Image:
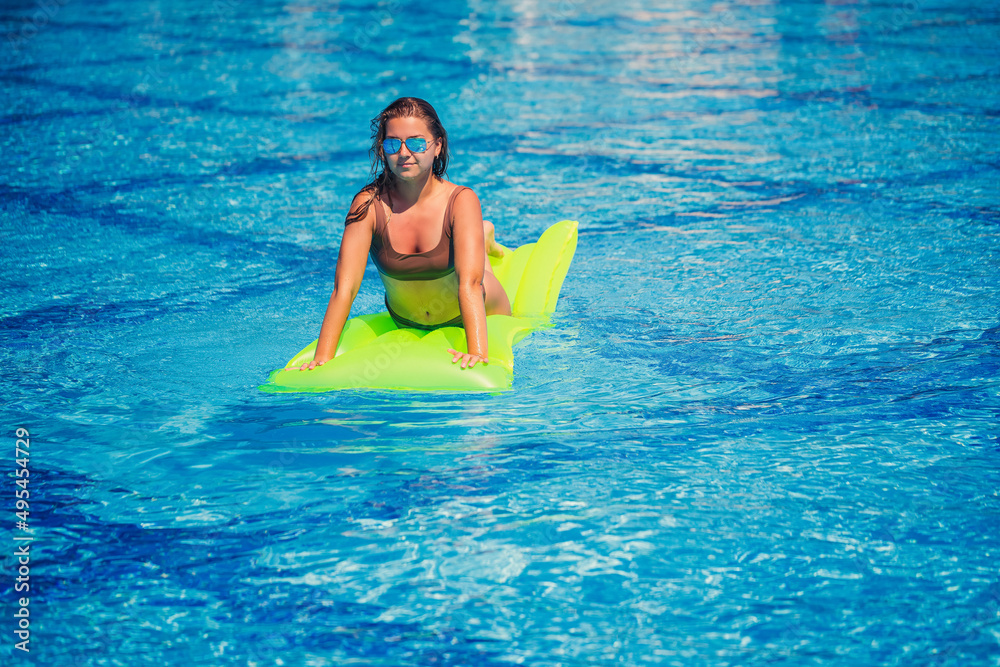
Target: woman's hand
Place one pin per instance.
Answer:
(311, 365)
(468, 360)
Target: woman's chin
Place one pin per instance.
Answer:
(407, 173)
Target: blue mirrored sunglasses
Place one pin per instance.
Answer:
(413, 144)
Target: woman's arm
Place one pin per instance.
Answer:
(351, 263)
(467, 235)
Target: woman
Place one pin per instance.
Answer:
(425, 235)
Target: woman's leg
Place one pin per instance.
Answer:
(497, 302)
(492, 247)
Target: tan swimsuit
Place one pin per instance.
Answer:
(428, 265)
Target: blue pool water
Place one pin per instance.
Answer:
(763, 430)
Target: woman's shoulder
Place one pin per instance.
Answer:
(364, 194)
(460, 192)
(463, 204)
(363, 205)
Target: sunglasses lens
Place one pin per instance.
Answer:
(391, 146)
(417, 144)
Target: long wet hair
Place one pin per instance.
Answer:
(382, 177)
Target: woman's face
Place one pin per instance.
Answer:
(405, 164)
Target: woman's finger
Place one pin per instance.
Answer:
(468, 360)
